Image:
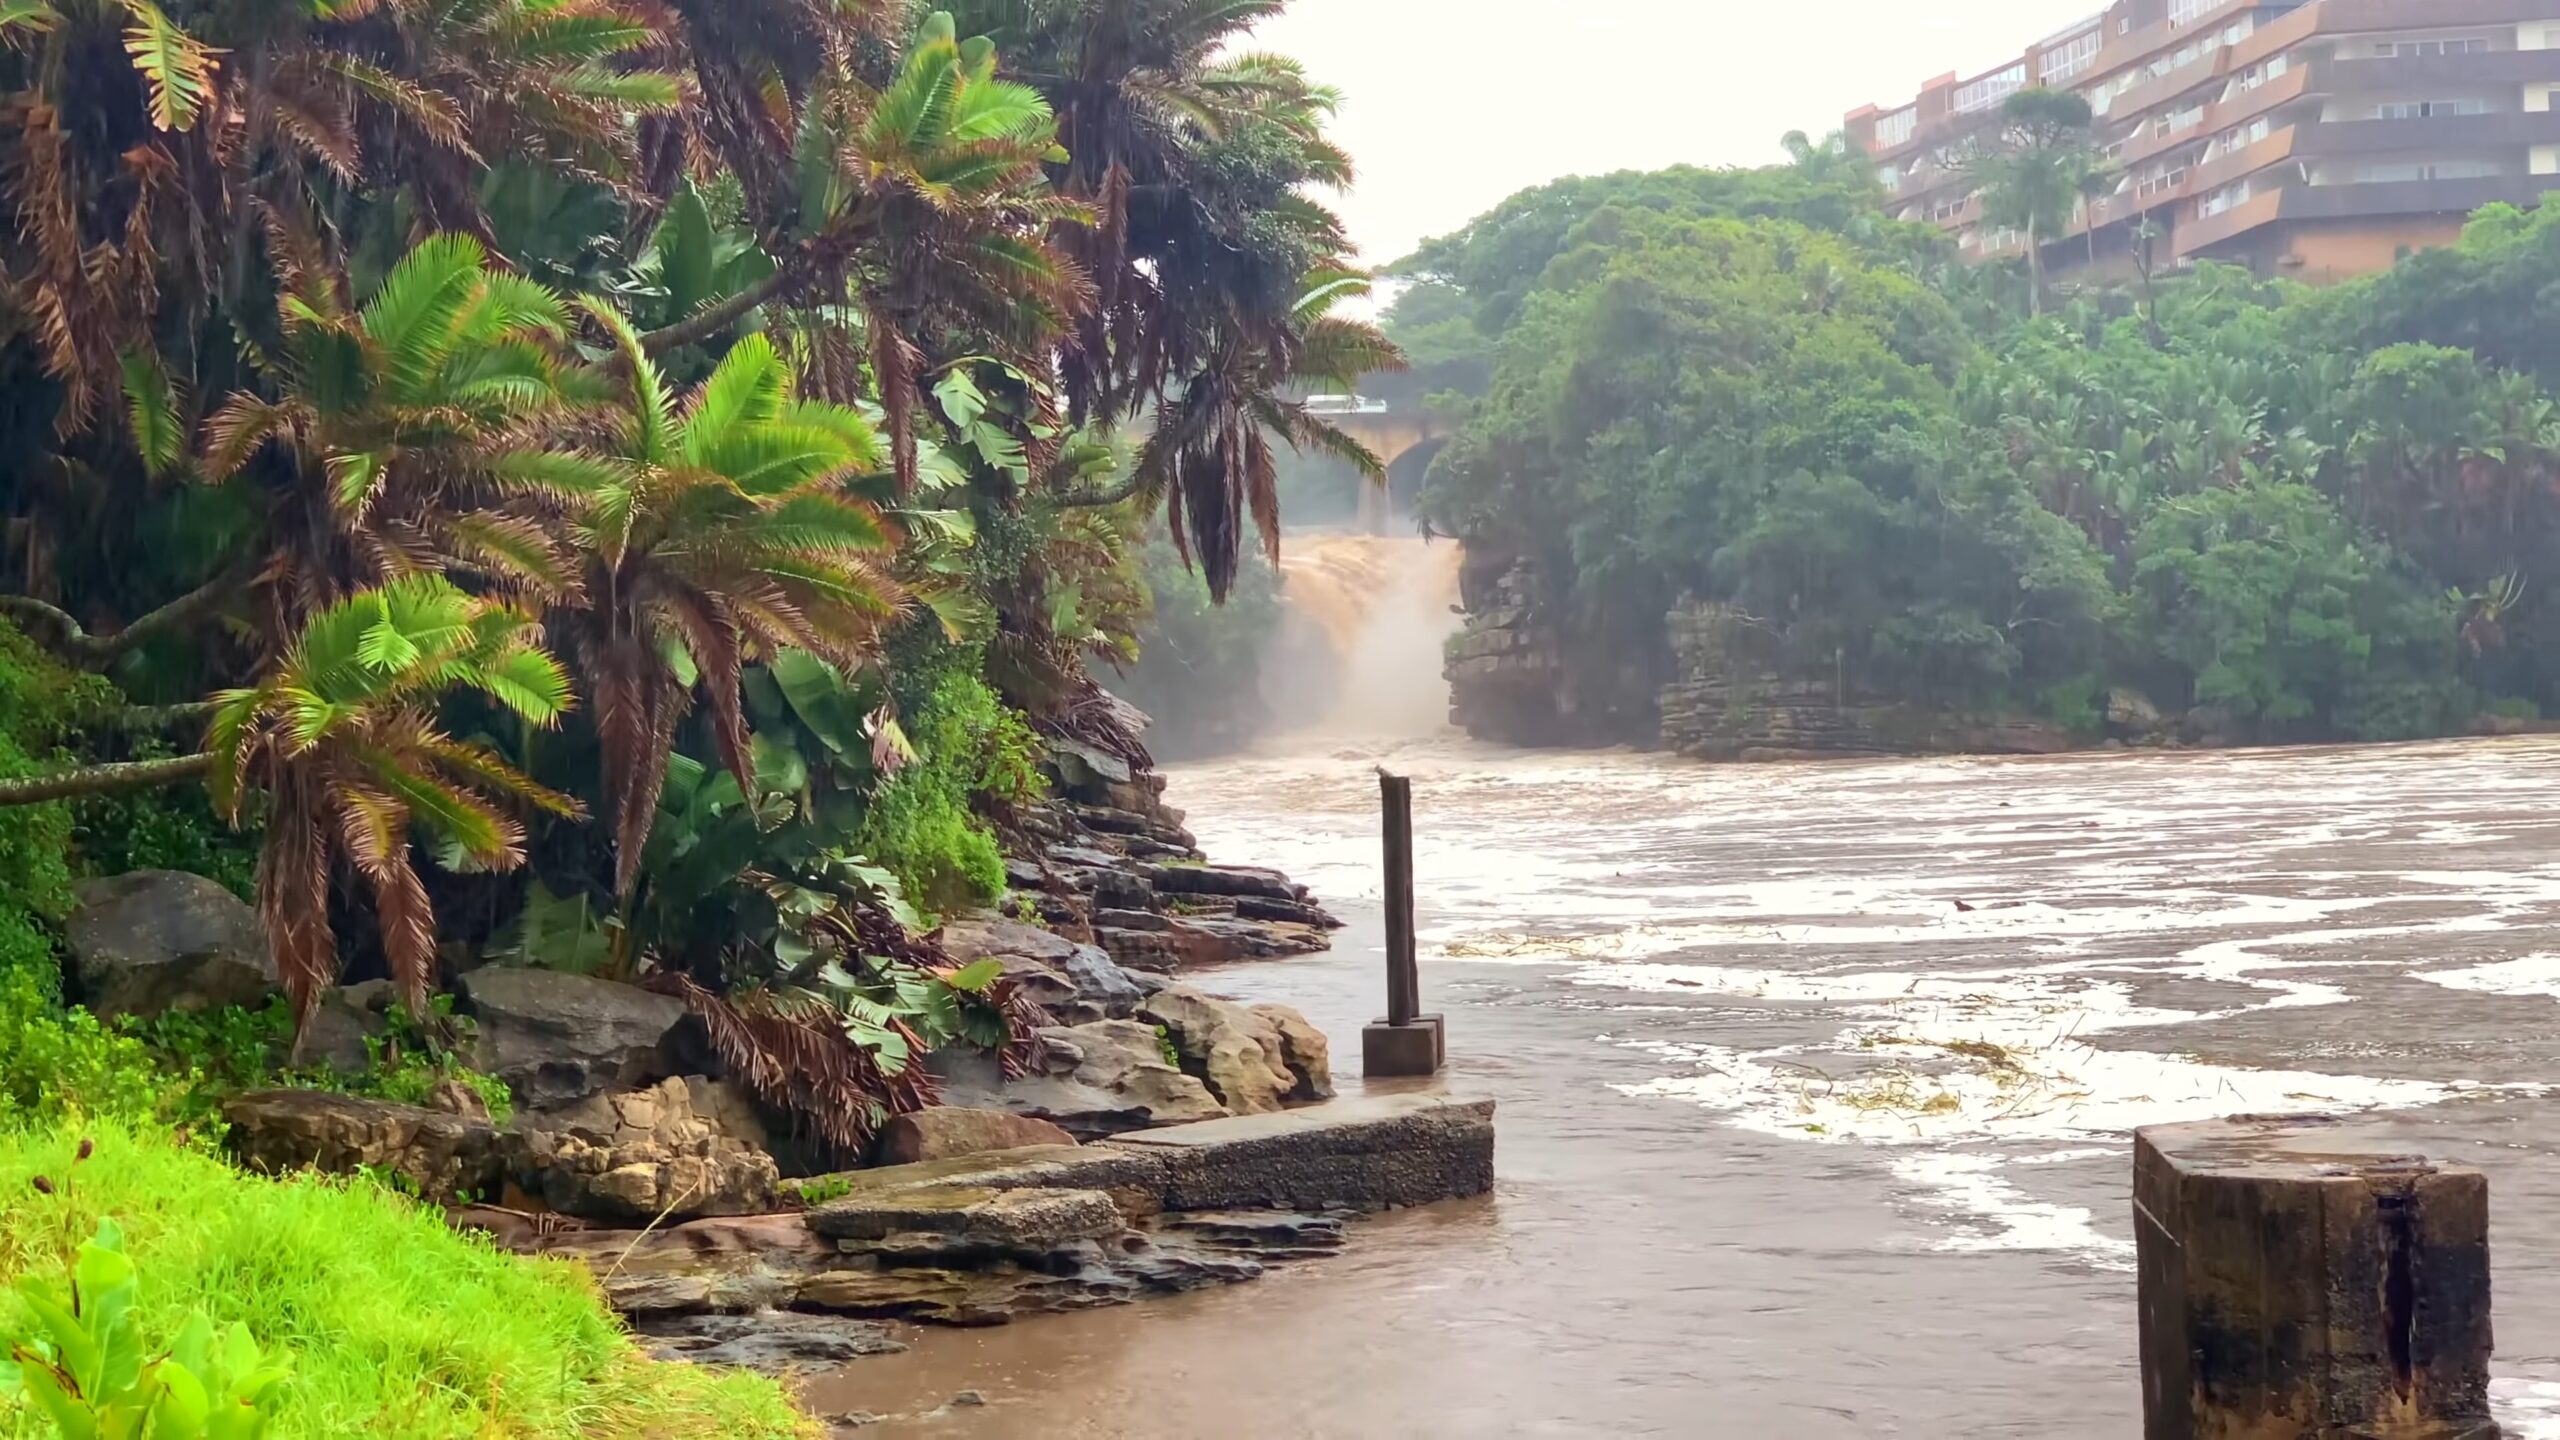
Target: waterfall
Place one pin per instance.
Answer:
(1379, 608)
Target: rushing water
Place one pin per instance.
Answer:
(1815, 1083)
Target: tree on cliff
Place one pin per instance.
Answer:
(2037, 171)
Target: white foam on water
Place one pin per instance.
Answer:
(2006, 1217)
(2526, 1409)
(2532, 975)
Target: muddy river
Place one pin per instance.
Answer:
(1815, 1084)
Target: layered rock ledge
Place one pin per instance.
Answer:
(985, 1239)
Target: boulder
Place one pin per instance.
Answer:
(1304, 1049)
(1369, 1154)
(343, 1024)
(1221, 880)
(639, 1155)
(946, 1132)
(1077, 982)
(2131, 712)
(1237, 1052)
(159, 940)
(555, 1037)
(451, 1158)
(1097, 1079)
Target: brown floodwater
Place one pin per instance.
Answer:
(1815, 1084)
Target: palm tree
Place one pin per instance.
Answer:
(1210, 457)
(387, 425)
(2034, 176)
(343, 742)
(1199, 160)
(710, 532)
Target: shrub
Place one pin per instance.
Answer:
(926, 824)
(393, 1323)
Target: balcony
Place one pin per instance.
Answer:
(2441, 133)
(2392, 75)
(2356, 202)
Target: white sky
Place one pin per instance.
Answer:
(1455, 104)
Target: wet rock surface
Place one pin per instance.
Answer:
(1112, 865)
(159, 940)
(775, 1342)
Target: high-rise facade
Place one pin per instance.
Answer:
(2312, 138)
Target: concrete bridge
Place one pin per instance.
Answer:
(1404, 440)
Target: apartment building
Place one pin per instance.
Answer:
(2312, 138)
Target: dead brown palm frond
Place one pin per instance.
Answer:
(794, 1055)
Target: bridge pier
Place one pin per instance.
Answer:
(2296, 1284)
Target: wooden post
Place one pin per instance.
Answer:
(1404, 966)
(1407, 1042)
(2291, 1286)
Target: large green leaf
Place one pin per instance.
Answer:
(179, 69)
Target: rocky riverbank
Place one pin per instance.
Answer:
(1156, 1137)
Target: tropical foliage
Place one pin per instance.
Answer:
(2294, 514)
(616, 485)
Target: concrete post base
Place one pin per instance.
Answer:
(1389, 1050)
(2294, 1287)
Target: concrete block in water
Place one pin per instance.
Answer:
(1366, 1154)
(2294, 1289)
(1417, 1050)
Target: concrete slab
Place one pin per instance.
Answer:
(1363, 1154)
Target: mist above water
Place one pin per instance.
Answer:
(1384, 607)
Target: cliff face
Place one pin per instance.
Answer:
(1516, 678)
(1731, 703)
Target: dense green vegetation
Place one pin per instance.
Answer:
(387, 1321)
(2300, 514)
(626, 487)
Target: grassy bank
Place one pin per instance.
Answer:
(393, 1324)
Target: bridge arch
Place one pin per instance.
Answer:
(1394, 436)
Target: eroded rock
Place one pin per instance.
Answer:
(639, 1155)
(967, 1218)
(1236, 1051)
(158, 940)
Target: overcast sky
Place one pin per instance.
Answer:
(1455, 104)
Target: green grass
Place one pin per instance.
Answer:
(393, 1325)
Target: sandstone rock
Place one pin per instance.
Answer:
(1119, 1068)
(1304, 1050)
(947, 1132)
(1236, 1051)
(727, 1109)
(967, 1218)
(2131, 711)
(451, 1158)
(750, 1263)
(640, 1155)
(159, 940)
(1135, 1182)
(556, 1037)
(451, 1097)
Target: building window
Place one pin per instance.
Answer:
(2428, 109)
(1990, 90)
(2184, 12)
(2405, 49)
(2223, 199)
(2434, 170)
(1897, 127)
(2067, 60)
